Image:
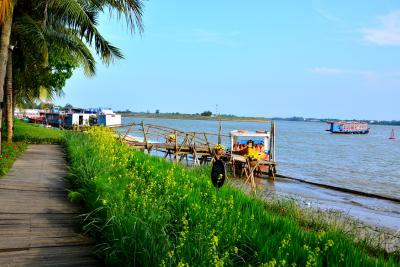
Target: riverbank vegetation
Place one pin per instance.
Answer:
(182, 116)
(143, 210)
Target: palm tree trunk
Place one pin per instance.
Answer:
(9, 96)
(14, 101)
(4, 43)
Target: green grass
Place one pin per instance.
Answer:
(10, 152)
(26, 133)
(36, 134)
(146, 211)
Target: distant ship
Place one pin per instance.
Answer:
(392, 135)
(348, 127)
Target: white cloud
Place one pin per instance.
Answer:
(327, 70)
(387, 33)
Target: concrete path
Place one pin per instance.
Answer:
(38, 225)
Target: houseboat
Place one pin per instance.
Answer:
(52, 117)
(107, 117)
(348, 127)
(29, 115)
(72, 117)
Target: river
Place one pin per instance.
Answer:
(368, 163)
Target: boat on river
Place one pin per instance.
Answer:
(392, 135)
(348, 127)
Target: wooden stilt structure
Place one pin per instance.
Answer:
(195, 147)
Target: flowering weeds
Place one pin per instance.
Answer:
(9, 154)
(219, 147)
(146, 211)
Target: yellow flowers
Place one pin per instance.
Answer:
(328, 245)
(252, 157)
(219, 147)
(285, 242)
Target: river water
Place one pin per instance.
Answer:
(368, 163)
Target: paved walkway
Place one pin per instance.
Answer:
(38, 225)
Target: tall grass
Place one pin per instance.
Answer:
(146, 211)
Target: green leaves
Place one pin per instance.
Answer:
(75, 197)
(53, 37)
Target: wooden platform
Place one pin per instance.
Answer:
(38, 225)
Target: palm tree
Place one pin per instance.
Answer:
(6, 14)
(9, 96)
(67, 26)
(5, 9)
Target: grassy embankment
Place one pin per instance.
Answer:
(36, 134)
(146, 211)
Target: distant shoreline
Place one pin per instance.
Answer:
(188, 117)
(245, 119)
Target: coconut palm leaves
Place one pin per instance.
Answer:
(52, 37)
(34, 42)
(81, 19)
(68, 27)
(131, 10)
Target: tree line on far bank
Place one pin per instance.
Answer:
(43, 41)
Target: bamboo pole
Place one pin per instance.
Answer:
(219, 132)
(273, 123)
(129, 129)
(144, 136)
(176, 146)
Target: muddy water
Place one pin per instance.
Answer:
(368, 163)
(371, 211)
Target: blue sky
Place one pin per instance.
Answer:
(320, 59)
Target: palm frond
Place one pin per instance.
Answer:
(83, 22)
(131, 10)
(68, 42)
(30, 32)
